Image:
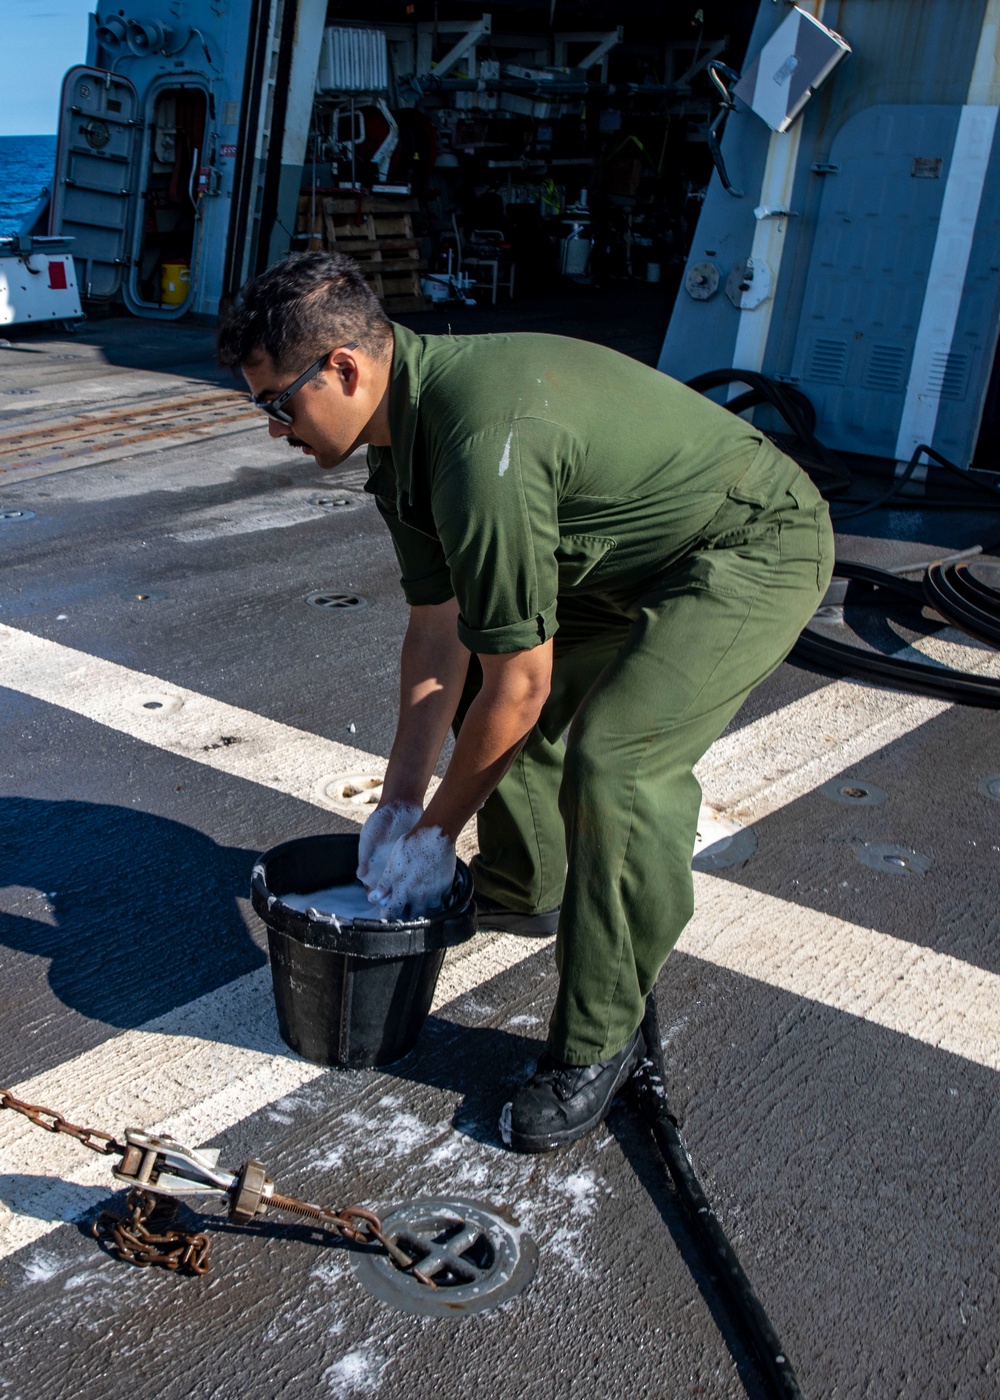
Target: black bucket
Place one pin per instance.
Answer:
(359, 993)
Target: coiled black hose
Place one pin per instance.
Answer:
(830, 473)
(873, 587)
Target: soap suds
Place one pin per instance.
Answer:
(348, 901)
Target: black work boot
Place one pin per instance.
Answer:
(491, 914)
(561, 1103)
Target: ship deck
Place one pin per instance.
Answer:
(171, 706)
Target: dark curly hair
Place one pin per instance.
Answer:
(301, 307)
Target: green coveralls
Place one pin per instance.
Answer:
(558, 489)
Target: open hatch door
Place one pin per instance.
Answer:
(95, 190)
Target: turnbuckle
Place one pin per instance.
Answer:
(159, 1163)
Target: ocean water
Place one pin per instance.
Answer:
(26, 167)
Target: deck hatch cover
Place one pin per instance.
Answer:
(94, 194)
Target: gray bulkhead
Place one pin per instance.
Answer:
(134, 196)
(877, 219)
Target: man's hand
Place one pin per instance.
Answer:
(379, 835)
(418, 875)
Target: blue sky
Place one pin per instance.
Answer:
(41, 39)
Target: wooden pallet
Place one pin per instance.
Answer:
(378, 235)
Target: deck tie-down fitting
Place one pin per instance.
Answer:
(158, 1166)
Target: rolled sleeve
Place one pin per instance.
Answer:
(516, 636)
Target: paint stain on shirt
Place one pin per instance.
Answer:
(505, 459)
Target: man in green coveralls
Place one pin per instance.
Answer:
(587, 546)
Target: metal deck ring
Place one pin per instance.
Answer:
(477, 1259)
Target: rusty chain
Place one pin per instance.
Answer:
(54, 1122)
(142, 1238)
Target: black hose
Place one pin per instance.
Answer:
(648, 1085)
(900, 481)
(937, 682)
(796, 410)
(963, 599)
(865, 585)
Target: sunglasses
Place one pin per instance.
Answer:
(275, 408)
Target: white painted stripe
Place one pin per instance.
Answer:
(186, 723)
(946, 277)
(763, 765)
(208, 1065)
(777, 759)
(769, 240)
(926, 996)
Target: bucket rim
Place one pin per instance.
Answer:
(452, 924)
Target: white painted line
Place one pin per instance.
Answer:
(928, 997)
(205, 1066)
(945, 285)
(762, 767)
(758, 768)
(777, 759)
(183, 721)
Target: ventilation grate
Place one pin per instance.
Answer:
(948, 375)
(828, 360)
(353, 60)
(886, 368)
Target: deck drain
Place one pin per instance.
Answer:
(477, 1259)
(854, 794)
(893, 860)
(336, 600)
(721, 843)
(352, 789)
(332, 502)
(990, 787)
(14, 517)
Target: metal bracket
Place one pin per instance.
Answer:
(749, 284)
(603, 40)
(471, 32)
(160, 1164)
